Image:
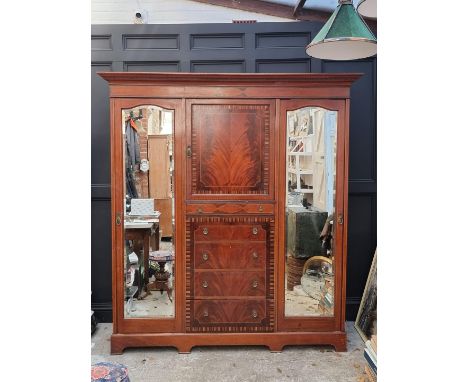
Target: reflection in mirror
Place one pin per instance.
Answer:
(310, 203)
(149, 212)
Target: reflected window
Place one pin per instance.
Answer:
(310, 203)
(149, 255)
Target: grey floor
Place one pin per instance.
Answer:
(308, 363)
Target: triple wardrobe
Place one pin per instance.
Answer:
(229, 209)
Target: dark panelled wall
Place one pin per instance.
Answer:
(231, 48)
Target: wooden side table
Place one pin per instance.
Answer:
(143, 232)
(161, 282)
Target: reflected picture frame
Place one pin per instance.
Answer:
(367, 313)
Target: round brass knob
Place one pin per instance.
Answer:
(205, 231)
(254, 313)
(255, 255)
(205, 256)
(260, 208)
(205, 313)
(204, 284)
(254, 230)
(255, 284)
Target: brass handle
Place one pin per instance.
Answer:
(118, 219)
(205, 313)
(260, 208)
(204, 284)
(254, 313)
(199, 210)
(255, 255)
(255, 284)
(340, 219)
(205, 231)
(205, 256)
(254, 230)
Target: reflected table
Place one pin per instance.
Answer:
(162, 277)
(143, 232)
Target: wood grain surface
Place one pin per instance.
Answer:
(228, 284)
(248, 255)
(229, 231)
(225, 311)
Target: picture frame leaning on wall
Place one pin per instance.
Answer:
(366, 319)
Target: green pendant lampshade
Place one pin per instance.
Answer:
(345, 36)
(367, 8)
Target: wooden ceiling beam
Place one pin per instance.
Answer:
(298, 7)
(280, 10)
(267, 8)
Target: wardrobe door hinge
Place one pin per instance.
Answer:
(189, 151)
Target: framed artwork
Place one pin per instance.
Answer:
(366, 320)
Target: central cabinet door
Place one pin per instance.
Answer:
(231, 148)
(230, 225)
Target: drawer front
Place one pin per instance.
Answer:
(229, 311)
(225, 284)
(231, 208)
(250, 255)
(224, 276)
(228, 232)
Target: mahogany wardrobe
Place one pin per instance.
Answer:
(229, 209)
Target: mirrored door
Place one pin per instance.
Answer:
(149, 252)
(311, 253)
(146, 212)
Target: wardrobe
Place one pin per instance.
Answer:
(258, 185)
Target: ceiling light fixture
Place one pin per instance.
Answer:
(345, 36)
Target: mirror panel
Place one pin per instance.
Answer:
(310, 204)
(149, 253)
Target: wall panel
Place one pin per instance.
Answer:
(217, 41)
(217, 66)
(282, 40)
(102, 42)
(151, 66)
(152, 42)
(362, 118)
(100, 131)
(283, 66)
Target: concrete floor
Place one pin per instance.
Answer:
(207, 364)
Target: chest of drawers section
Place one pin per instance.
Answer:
(229, 274)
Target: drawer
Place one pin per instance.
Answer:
(229, 311)
(229, 284)
(231, 208)
(249, 255)
(228, 232)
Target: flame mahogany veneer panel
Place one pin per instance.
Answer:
(230, 149)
